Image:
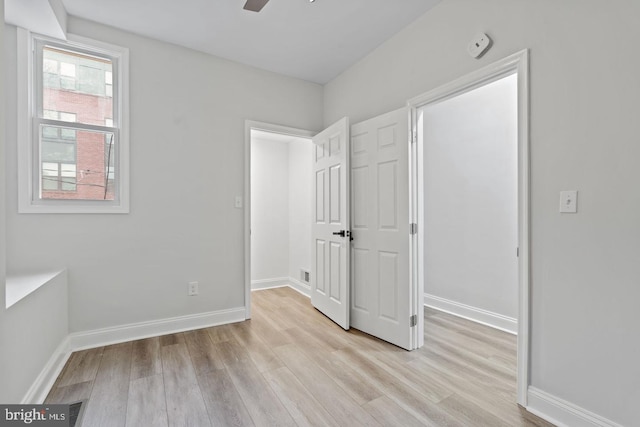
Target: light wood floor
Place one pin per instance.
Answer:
(290, 365)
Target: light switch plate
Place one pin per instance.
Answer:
(569, 201)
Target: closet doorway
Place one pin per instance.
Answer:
(279, 208)
(470, 194)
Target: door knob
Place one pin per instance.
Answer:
(343, 233)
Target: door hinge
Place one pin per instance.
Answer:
(413, 228)
(518, 252)
(413, 320)
(414, 137)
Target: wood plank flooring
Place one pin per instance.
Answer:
(291, 366)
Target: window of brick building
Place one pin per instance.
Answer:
(75, 141)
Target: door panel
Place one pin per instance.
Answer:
(380, 217)
(319, 197)
(330, 291)
(388, 196)
(320, 266)
(359, 187)
(359, 263)
(334, 267)
(388, 285)
(335, 196)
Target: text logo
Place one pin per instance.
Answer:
(34, 415)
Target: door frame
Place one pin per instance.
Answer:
(515, 63)
(250, 125)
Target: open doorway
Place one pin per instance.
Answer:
(470, 182)
(278, 208)
(280, 211)
(470, 193)
(384, 299)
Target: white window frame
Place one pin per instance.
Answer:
(29, 200)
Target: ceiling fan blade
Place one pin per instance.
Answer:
(255, 5)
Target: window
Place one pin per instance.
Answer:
(74, 143)
(108, 83)
(58, 177)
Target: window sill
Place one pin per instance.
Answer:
(67, 210)
(74, 207)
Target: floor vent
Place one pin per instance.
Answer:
(304, 276)
(76, 410)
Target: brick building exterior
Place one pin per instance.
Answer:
(76, 164)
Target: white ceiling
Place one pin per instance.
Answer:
(312, 41)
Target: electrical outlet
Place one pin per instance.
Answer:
(193, 289)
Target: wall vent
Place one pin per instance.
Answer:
(304, 276)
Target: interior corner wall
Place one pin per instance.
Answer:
(187, 115)
(471, 198)
(300, 206)
(269, 210)
(584, 131)
(4, 366)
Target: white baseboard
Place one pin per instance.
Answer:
(563, 413)
(40, 388)
(136, 331)
(280, 282)
(478, 315)
(276, 282)
(303, 288)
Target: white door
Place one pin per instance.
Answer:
(380, 271)
(330, 235)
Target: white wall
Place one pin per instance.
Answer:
(188, 112)
(470, 198)
(300, 200)
(280, 209)
(584, 136)
(4, 362)
(269, 210)
(35, 338)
